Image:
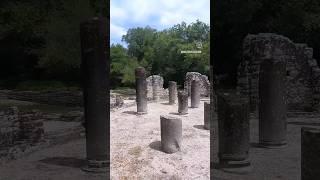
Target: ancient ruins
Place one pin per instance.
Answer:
(302, 70)
(202, 79)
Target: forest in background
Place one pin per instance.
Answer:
(40, 43)
(40, 46)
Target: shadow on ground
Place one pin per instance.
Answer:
(65, 161)
(130, 112)
(166, 104)
(156, 145)
(178, 114)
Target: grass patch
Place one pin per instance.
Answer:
(135, 151)
(29, 106)
(46, 86)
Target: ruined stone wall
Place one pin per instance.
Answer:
(302, 70)
(19, 128)
(155, 90)
(203, 79)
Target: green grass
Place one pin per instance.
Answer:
(125, 91)
(45, 86)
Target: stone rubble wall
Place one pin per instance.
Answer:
(19, 128)
(303, 83)
(204, 83)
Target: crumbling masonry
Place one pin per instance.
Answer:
(302, 70)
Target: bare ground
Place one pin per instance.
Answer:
(135, 145)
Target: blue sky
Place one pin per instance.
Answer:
(158, 14)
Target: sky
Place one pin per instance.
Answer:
(158, 14)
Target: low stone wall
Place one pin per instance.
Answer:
(66, 98)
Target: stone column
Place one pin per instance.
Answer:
(141, 90)
(272, 106)
(310, 156)
(95, 69)
(172, 92)
(206, 115)
(171, 134)
(183, 102)
(195, 94)
(234, 131)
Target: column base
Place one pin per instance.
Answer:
(182, 113)
(273, 145)
(142, 113)
(96, 166)
(236, 167)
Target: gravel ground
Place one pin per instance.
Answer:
(135, 145)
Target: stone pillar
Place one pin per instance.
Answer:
(183, 102)
(310, 157)
(171, 134)
(272, 106)
(141, 90)
(195, 94)
(95, 69)
(172, 92)
(206, 115)
(234, 131)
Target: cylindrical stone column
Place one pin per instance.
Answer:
(206, 116)
(95, 69)
(141, 90)
(172, 92)
(310, 156)
(171, 134)
(195, 94)
(234, 131)
(272, 106)
(182, 102)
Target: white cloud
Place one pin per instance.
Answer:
(156, 13)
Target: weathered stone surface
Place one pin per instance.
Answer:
(204, 83)
(302, 70)
(234, 131)
(171, 134)
(31, 127)
(206, 115)
(95, 68)
(182, 102)
(195, 94)
(310, 157)
(272, 106)
(155, 88)
(141, 90)
(172, 92)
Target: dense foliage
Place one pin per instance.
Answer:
(160, 52)
(299, 20)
